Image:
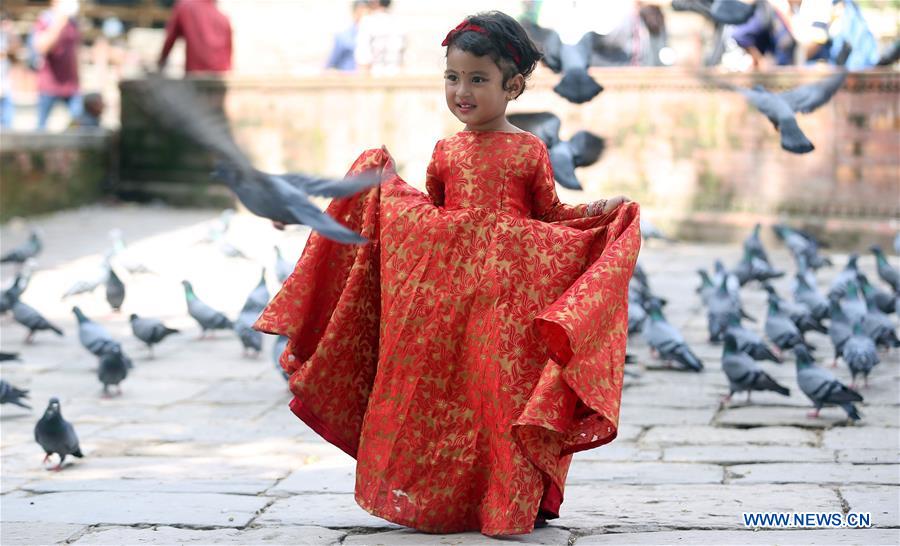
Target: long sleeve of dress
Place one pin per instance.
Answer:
(434, 182)
(545, 204)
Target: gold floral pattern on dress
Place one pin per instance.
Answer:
(472, 346)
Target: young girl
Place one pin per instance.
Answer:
(478, 340)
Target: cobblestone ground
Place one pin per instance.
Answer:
(201, 448)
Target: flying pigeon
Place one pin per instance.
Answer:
(150, 330)
(822, 387)
(115, 290)
(94, 337)
(573, 60)
(29, 249)
(56, 435)
(860, 354)
(10, 394)
(744, 374)
(721, 12)
(667, 341)
(780, 108)
(7, 357)
(30, 318)
(91, 283)
(122, 258)
(207, 317)
(886, 271)
(583, 149)
(113, 369)
(281, 198)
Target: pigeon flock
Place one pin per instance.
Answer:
(56, 435)
(856, 320)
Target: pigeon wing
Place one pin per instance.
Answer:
(806, 98)
(544, 125)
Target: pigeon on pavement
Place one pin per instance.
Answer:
(822, 388)
(150, 330)
(30, 318)
(208, 318)
(744, 374)
(10, 394)
(94, 337)
(56, 435)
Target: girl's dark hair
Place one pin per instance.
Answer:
(505, 42)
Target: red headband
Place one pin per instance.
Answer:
(467, 26)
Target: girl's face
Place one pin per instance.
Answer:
(474, 89)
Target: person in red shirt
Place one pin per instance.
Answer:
(56, 39)
(207, 36)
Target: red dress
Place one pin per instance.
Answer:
(472, 346)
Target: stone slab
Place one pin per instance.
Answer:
(586, 472)
(619, 451)
(731, 454)
(298, 535)
(14, 533)
(90, 507)
(825, 537)
(317, 479)
(654, 416)
(235, 486)
(633, 508)
(823, 473)
(861, 437)
(759, 416)
(333, 510)
(868, 456)
(789, 436)
(407, 537)
(883, 502)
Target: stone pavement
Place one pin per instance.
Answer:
(201, 447)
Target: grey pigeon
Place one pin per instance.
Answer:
(753, 268)
(113, 369)
(30, 318)
(283, 268)
(750, 342)
(251, 340)
(875, 298)
(744, 374)
(122, 258)
(573, 60)
(721, 310)
(208, 318)
(10, 394)
(56, 435)
(780, 108)
(848, 275)
(29, 249)
(150, 330)
(852, 301)
(11, 295)
(798, 312)
(753, 245)
(802, 245)
(7, 357)
(822, 388)
(706, 288)
(780, 329)
(637, 316)
(667, 341)
(115, 290)
(880, 328)
(583, 149)
(284, 199)
(886, 271)
(94, 337)
(839, 329)
(277, 350)
(809, 296)
(731, 12)
(258, 298)
(860, 354)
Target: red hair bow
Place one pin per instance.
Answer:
(466, 25)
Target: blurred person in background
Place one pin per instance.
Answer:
(92, 112)
(342, 57)
(9, 47)
(207, 37)
(56, 40)
(380, 42)
(833, 31)
(767, 32)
